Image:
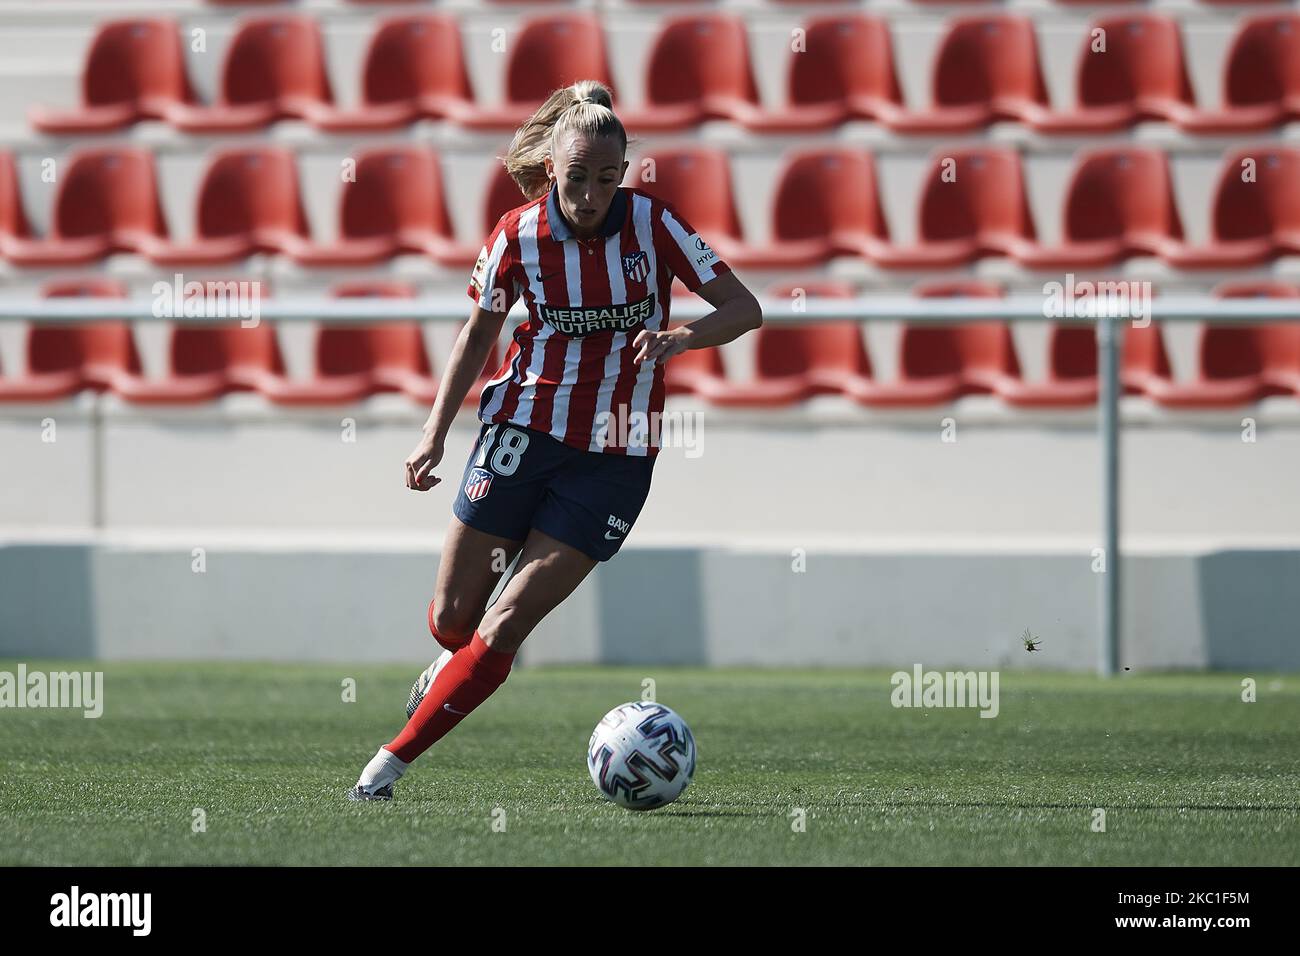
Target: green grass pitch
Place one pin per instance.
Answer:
(1187, 772)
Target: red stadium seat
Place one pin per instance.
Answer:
(940, 363)
(1262, 81)
(697, 182)
(1140, 74)
(696, 371)
(549, 52)
(353, 362)
(1248, 289)
(1071, 371)
(1143, 360)
(134, 70)
(846, 71)
(1072, 366)
(205, 362)
(413, 69)
(15, 230)
(503, 194)
(973, 204)
(827, 204)
(1264, 207)
(1119, 203)
(796, 362)
(95, 287)
(107, 202)
(1238, 364)
(986, 69)
(274, 69)
(62, 359)
(248, 202)
(395, 203)
(1256, 213)
(699, 69)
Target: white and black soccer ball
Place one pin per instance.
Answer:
(641, 755)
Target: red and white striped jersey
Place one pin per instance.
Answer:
(569, 370)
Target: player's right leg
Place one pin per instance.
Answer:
(505, 476)
(549, 571)
(472, 565)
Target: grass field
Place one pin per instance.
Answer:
(1187, 772)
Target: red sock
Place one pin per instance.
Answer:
(464, 682)
(445, 642)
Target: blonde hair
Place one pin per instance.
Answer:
(586, 108)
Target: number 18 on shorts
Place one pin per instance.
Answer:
(519, 478)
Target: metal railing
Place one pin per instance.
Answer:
(864, 308)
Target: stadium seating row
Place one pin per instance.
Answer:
(937, 363)
(1131, 68)
(1119, 203)
(940, 363)
(207, 361)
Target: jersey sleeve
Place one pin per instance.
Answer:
(684, 250)
(492, 283)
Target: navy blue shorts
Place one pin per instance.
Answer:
(518, 478)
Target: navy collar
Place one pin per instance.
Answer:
(612, 226)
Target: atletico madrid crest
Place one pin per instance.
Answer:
(478, 484)
(636, 266)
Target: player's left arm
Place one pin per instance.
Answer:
(736, 311)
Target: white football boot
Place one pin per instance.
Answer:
(377, 779)
(424, 682)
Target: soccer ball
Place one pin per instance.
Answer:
(641, 755)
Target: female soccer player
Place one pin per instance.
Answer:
(561, 467)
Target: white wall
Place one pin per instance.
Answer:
(120, 597)
(916, 550)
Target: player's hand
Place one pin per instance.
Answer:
(660, 345)
(422, 461)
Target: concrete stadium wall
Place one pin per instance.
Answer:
(917, 550)
(118, 597)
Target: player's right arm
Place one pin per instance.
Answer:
(493, 288)
(468, 357)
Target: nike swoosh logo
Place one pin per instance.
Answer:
(611, 537)
(542, 278)
(453, 710)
